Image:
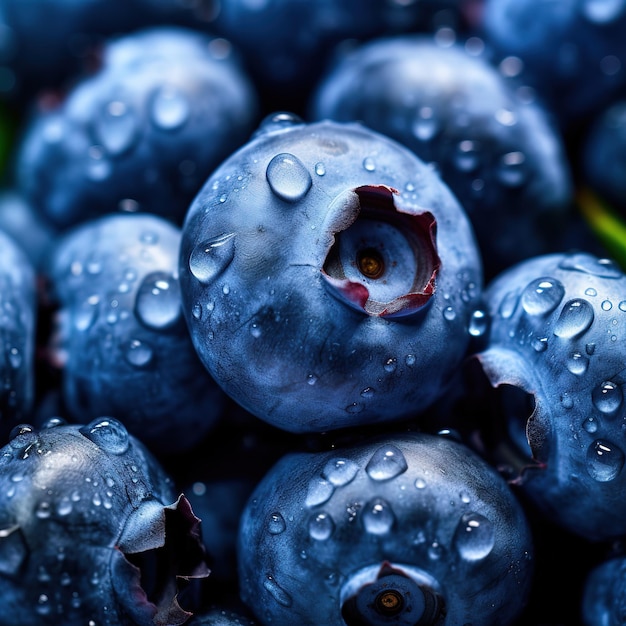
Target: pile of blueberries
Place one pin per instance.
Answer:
(312, 312)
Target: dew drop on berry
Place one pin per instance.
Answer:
(369, 164)
(138, 353)
(170, 108)
(474, 537)
(321, 527)
(278, 121)
(276, 524)
(288, 178)
(320, 490)
(542, 296)
(108, 434)
(539, 344)
(577, 363)
(158, 304)
(511, 171)
(607, 397)
(340, 472)
(277, 592)
(478, 323)
(378, 517)
(43, 605)
(425, 125)
(210, 258)
(575, 318)
(116, 127)
(43, 510)
(508, 305)
(386, 463)
(64, 507)
(98, 168)
(604, 460)
(466, 156)
(591, 425)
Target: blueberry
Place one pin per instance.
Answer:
(500, 154)
(403, 529)
(571, 51)
(18, 325)
(604, 593)
(121, 340)
(328, 277)
(555, 355)
(141, 133)
(91, 530)
(217, 616)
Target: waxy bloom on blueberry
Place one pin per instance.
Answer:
(328, 277)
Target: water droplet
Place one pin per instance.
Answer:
(420, 483)
(170, 108)
(506, 117)
(589, 264)
(607, 397)
(435, 551)
(604, 460)
(591, 425)
(512, 169)
(425, 124)
(466, 156)
(158, 303)
(474, 537)
(575, 318)
(43, 510)
(577, 364)
(386, 463)
(108, 434)
(115, 127)
(321, 526)
(255, 330)
(320, 490)
(410, 359)
(98, 168)
(378, 518)
(43, 605)
(277, 592)
(390, 365)
(340, 472)
(311, 379)
(64, 507)
(368, 392)
(449, 313)
(542, 296)
(14, 356)
(138, 353)
(478, 324)
(320, 169)
(369, 165)
(567, 402)
(606, 305)
(288, 178)
(278, 121)
(210, 258)
(540, 344)
(196, 311)
(276, 524)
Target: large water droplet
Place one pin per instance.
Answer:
(340, 472)
(607, 397)
(170, 108)
(138, 353)
(575, 318)
(276, 524)
(386, 463)
(321, 526)
(288, 178)
(378, 518)
(277, 592)
(604, 460)
(116, 127)
(158, 304)
(108, 434)
(278, 121)
(577, 364)
(320, 490)
(474, 537)
(542, 296)
(13, 550)
(210, 258)
(86, 313)
(478, 324)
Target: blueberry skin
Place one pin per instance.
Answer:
(604, 594)
(571, 50)
(556, 352)
(18, 321)
(328, 277)
(320, 526)
(91, 529)
(501, 155)
(121, 338)
(217, 616)
(140, 134)
(603, 155)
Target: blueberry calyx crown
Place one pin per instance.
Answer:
(393, 597)
(385, 261)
